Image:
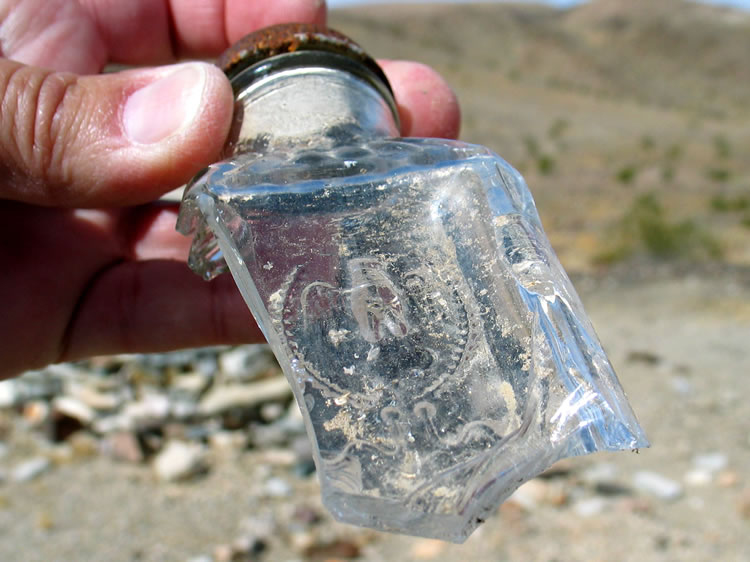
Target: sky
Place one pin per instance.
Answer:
(745, 4)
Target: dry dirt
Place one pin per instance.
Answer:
(680, 347)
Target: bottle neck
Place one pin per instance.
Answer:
(305, 105)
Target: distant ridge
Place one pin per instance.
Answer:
(670, 53)
(740, 5)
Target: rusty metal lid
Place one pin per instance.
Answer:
(288, 38)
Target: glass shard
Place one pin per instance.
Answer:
(439, 353)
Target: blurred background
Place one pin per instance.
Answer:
(630, 120)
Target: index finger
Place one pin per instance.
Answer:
(158, 31)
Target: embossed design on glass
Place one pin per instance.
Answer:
(435, 345)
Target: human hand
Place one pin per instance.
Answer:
(90, 263)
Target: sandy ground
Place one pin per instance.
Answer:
(679, 343)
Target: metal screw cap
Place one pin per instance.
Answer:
(294, 38)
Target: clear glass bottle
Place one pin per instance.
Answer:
(438, 351)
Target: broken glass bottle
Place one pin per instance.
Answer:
(436, 348)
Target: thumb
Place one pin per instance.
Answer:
(114, 139)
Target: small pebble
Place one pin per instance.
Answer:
(271, 411)
(590, 507)
(74, 408)
(124, 446)
(191, 384)
(83, 444)
(223, 553)
(728, 479)
(278, 488)
(41, 385)
(151, 409)
(207, 366)
(427, 549)
(36, 413)
(228, 440)
(302, 541)
(9, 395)
(96, 400)
(711, 462)
(183, 409)
(244, 396)
(30, 469)
(656, 485)
(234, 363)
(179, 461)
(698, 478)
(246, 362)
(109, 424)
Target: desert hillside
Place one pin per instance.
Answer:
(617, 112)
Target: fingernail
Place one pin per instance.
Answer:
(165, 106)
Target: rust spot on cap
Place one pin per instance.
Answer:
(290, 38)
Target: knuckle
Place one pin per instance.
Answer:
(35, 116)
